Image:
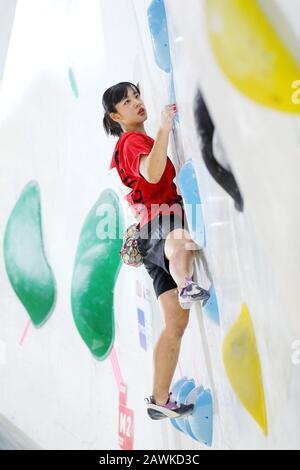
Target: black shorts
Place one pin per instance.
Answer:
(151, 245)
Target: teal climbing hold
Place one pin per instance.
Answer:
(25, 260)
(96, 269)
(73, 83)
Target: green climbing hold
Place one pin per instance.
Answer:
(73, 83)
(28, 270)
(97, 265)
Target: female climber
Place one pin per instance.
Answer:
(165, 243)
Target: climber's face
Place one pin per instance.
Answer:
(131, 111)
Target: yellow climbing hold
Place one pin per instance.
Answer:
(251, 53)
(242, 366)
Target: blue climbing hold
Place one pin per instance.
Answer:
(192, 203)
(172, 97)
(191, 398)
(158, 26)
(199, 425)
(177, 386)
(183, 393)
(211, 307)
(201, 421)
(175, 390)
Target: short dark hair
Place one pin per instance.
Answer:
(110, 99)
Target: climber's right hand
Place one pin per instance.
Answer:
(167, 116)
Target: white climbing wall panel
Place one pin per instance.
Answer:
(52, 389)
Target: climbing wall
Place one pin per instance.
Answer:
(243, 94)
(7, 13)
(78, 328)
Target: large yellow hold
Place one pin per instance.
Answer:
(251, 54)
(242, 366)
